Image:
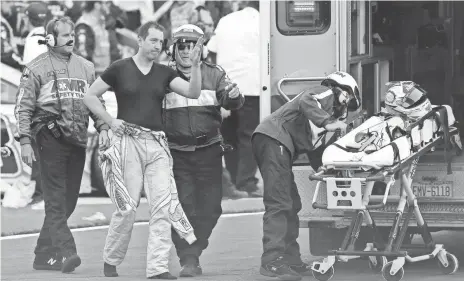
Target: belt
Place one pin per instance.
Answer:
(141, 132)
(192, 140)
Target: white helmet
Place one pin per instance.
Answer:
(407, 98)
(346, 82)
(187, 33)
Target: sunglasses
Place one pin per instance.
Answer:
(183, 45)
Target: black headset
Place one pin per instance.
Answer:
(50, 30)
(50, 37)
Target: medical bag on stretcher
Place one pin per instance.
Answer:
(383, 141)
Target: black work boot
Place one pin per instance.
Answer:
(190, 270)
(190, 267)
(280, 269)
(70, 263)
(301, 268)
(47, 262)
(231, 192)
(110, 270)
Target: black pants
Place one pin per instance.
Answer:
(237, 130)
(198, 176)
(281, 200)
(35, 174)
(61, 167)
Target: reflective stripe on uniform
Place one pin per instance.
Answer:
(174, 100)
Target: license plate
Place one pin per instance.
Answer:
(435, 189)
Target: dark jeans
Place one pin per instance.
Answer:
(198, 176)
(237, 130)
(61, 167)
(281, 200)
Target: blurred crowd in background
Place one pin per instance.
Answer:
(105, 30)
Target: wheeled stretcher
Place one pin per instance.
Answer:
(384, 148)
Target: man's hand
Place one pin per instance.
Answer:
(27, 154)
(337, 125)
(233, 91)
(117, 126)
(195, 54)
(103, 140)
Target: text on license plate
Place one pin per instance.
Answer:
(436, 189)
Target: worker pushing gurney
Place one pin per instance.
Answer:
(388, 144)
(292, 130)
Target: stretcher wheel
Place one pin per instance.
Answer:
(386, 273)
(381, 262)
(324, 276)
(453, 264)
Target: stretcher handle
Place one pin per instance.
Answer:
(375, 206)
(318, 177)
(319, 206)
(316, 193)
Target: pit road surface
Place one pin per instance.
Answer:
(233, 255)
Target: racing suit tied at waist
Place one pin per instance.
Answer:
(112, 167)
(192, 140)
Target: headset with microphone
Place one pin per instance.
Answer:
(50, 39)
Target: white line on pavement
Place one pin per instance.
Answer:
(91, 228)
(107, 200)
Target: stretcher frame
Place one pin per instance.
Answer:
(357, 190)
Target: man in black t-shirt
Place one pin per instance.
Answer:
(139, 152)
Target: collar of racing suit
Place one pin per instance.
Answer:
(61, 56)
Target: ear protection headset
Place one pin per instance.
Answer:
(50, 38)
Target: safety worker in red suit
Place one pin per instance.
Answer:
(193, 131)
(50, 113)
(279, 139)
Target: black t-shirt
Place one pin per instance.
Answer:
(139, 96)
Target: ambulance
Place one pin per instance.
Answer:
(376, 42)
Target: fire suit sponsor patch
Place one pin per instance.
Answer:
(185, 224)
(60, 71)
(67, 88)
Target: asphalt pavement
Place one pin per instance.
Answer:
(97, 211)
(233, 255)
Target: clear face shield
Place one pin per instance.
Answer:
(414, 96)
